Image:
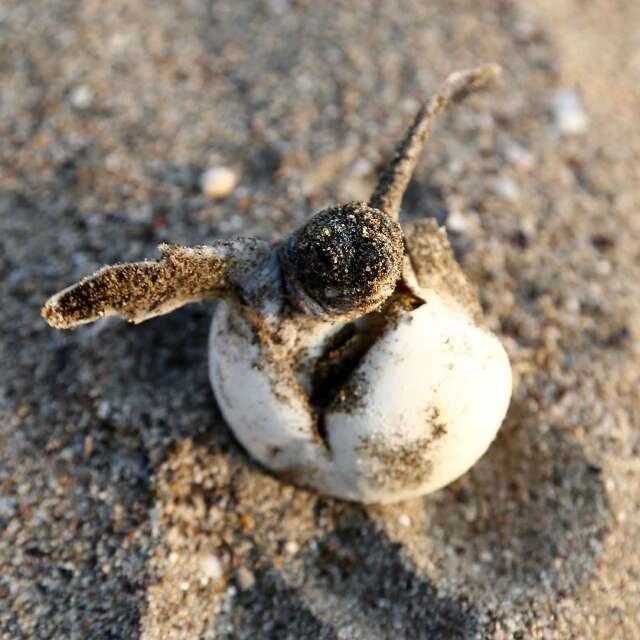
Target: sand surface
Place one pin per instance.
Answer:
(126, 508)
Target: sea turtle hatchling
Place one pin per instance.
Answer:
(350, 357)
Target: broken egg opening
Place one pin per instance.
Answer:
(408, 402)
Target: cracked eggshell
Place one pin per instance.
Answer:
(434, 390)
(261, 401)
(420, 408)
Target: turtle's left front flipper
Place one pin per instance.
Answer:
(141, 290)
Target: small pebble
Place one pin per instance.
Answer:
(292, 547)
(218, 182)
(82, 97)
(404, 520)
(569, 113)
(486, 556)
(457, 222)
(22, 411)
(88, 446)
(470, 513)
(245, 579)
(211, 567)
(519, 156)
(103, 409)
(506, 188)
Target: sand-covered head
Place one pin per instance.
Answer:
(346, 259)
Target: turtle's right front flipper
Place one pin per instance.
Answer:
(141, 290)
(395, 179)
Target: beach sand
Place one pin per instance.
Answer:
(127, 510)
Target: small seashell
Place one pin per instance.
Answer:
(218, 182)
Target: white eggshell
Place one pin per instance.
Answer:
(427, 400)
(269, 419)
(436, 389)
